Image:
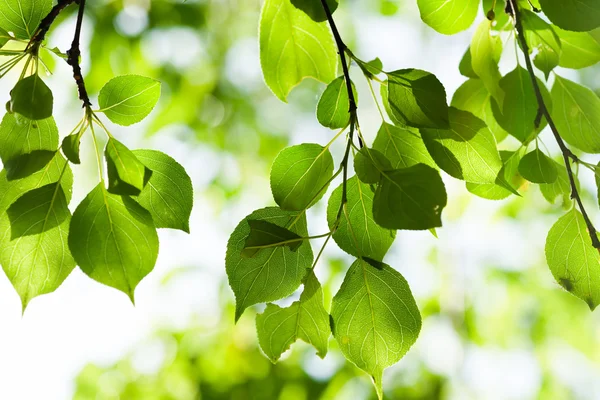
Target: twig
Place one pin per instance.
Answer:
(73, 58)
(566, 152)
(41, 31)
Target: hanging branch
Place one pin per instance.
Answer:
(513, 9)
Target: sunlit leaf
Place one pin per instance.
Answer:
(448, 16)
(128, 99)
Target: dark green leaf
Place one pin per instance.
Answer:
(32, 98)
(560, 188)
(20, 135)
(264, 234)
(417, 98)
(357, 233)
(371, 68)
(314, 8)
(465, 151)
(537, 167)
(126, 174)
(573, 15)
(70, 148)
(410, 198)
(168, 195)
(27, 164)
(273, 273)
(369, 163)
(300, 176)
(113, 240)
(375, 318)
(465, 66)
(278, 328)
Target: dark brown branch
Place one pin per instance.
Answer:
(566, 152)
(351, 100)
(41, 31)
(73, 58)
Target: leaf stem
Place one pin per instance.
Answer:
(566, 152)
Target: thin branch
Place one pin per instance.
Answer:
(73, 58)
(351, 100)
(41, 31)
(566, 152)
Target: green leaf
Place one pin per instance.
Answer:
(126, 174)
(4, 37)
(520, 108)
(448, 16)
(24, 165)
(36, 264)
(574, 262)
(537, 167)
(70, 148)
(278, 328)
(402, 147)
(19, 136)
(465, 67)
(472, 96)
(465, 151)
(576, 114)
(294, 47)
(573, 15)
(300, 176)
(333, 108)
(273, 273)
(32, 98)
(484, 50)
(38, 211)
(579, 49)
(375, 318)
(358, 234)
(264, 234)
(169, 194)
(560, 188)
(371, 68)
(369, 163)
(410, 198)
(113, 240)
(501, 18)
(128, 99)
(542, 40)
(507, 182)
(314, 8)
(22, 17)
(417, 98)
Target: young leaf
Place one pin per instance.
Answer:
(357, 233)
(169, 194)
(417, 98)
(126, 174)
(278, 328)
(22, 17)
(19, 136)
(264, 234)
(369, 163)
(36, 264)
(465, 151)
(484, 48)
(402, 147)
(577, 114)
(520, 108)
(375, 318)
(273, 273)
(543, 40)
(465, 67)
(572, 259)
(70, 148)
(579, 49)
(410, 198)
(128, 99)
(314, 8)
(507, 182)
(371, 68)
(300, 176)
(537, 167)
(113, 240)
(32, 98)
(294, 47)
(573, 15)
(561, 187)
(333, 108)
(472, 96)
(448, 16)
(38, 211)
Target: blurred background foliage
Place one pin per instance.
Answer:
(496, 326)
